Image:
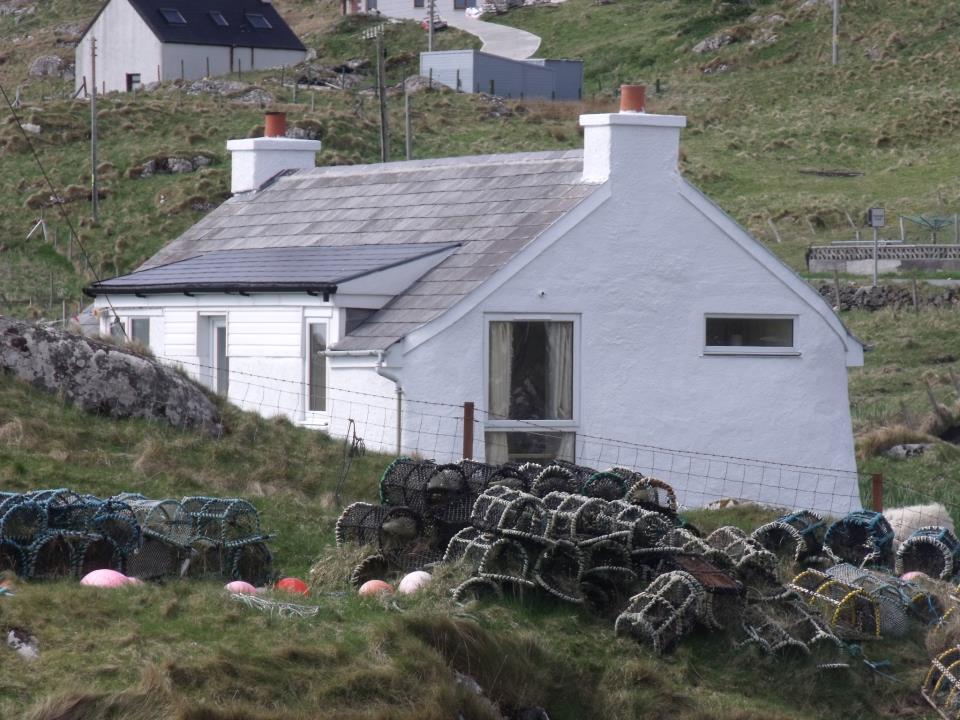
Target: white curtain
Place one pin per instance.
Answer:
(501, 363)
(496, 448)
(559, 370)
(567, 449)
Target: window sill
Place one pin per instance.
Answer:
(531, 425)
(737, 351)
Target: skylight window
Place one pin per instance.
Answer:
(258, 21)
(218, 18)
(173, 16)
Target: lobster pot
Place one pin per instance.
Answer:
(12, 558)
(653, 494)
(849, 611)
(251, 562)
(468, 545)
(23, 521)
(559, 569)
(646, 527)
(420, 555)
(66, 510)
(581, 473)
(941, 686)
(477, 589)
(606, 486)
(787, 628)
(510, 476)
(448, 498)
(164, 519)
(477, 475)
(372, 567)
(157, 558)
(55, 554)
(510, 512)
(895, 599)
(359, 523)
(606, 590)
(116, 520)
(723, 596)
(404, 483)
(505, 560)
(99, 553)
(629, 477)
(664, 613)
(228, 521)
(796, 536)
(207, 560)
(607, 551)
(680, 540)
(555, 478)
(860, 538)
(578, 516)
(754, 565)
(933, 551)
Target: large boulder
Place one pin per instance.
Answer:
(102, 378)
(47, 66)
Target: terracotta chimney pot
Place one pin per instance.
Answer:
(275, 124)
(633, 98)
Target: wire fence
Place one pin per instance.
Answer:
(440, 431)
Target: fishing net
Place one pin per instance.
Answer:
(664, 613)
(931, 550)
(276, 608)
(861, 538)
(511, 512)
(796, 536)
(941, 686)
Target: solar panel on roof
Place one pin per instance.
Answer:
(173, 16)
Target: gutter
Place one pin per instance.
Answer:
(384, 373)
(326, 289)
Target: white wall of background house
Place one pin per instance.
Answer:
(223, 60)
(638, 275)
(132, 49)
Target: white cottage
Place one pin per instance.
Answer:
(142, 41)
(574, 297)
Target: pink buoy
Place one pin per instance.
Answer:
(134, 581)
(914, 576)
(239, 586)
(104, 578)
(375, 587)
(413, 582)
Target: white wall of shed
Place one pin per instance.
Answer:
(642, 271)
(125, 44)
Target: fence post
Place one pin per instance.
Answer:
(468, 431)
(876, 481)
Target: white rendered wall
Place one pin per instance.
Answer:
(194, 58)
(641, 272)
(125, 44)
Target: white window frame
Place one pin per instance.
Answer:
(129, 327)
(327, 325)
(571, 425)
(751, 350)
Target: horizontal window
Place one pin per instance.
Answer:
(750, 332)
(173, 16)
(520, 447)
(258, 21)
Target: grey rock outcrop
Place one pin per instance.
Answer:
(47, 66)
(102, 378)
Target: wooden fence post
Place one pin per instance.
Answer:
(468, 431)
(876, 480)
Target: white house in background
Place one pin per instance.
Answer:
(570, 295)
(143, 41)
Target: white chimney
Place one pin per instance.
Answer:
(630, 145)
(255, 160)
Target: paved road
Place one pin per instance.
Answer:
(497, 39)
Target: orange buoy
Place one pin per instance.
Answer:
(375, 587)
(293, 585)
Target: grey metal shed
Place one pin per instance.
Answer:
(473, 71)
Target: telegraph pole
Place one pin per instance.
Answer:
(430, 30)
(382, 94)
(408, 131)
(836, 32)
(94, 190)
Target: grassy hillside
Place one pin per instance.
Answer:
(184, 650)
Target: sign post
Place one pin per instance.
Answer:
(876, 218)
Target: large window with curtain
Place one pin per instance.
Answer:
(530, 390)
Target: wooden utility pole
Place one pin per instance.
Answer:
(836, 32)
(94, 189)
(430, 29)
(382, 94)
(408, 131)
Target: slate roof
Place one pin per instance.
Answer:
(269, 269)
(200, 29)
(492, 206)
